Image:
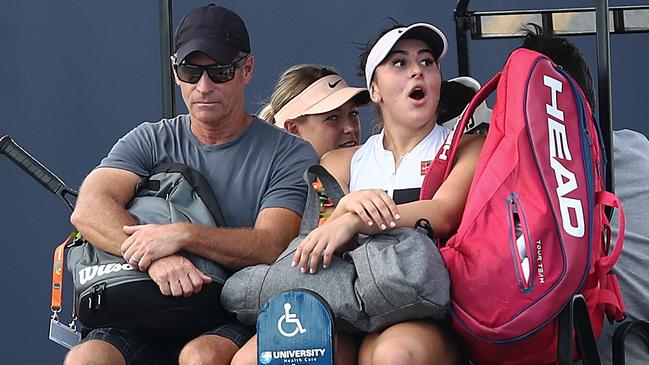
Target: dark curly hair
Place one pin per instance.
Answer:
(563, 53)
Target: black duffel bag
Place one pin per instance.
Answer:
(111, 293)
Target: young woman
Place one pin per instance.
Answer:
(383, 178)
(315, 103)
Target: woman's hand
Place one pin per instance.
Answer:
(372, 206)
(324, 241)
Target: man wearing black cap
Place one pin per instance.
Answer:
(254, 168)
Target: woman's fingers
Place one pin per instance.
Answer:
(316, 255)
(362, 213)
(310, 252)
(373, 211)
(323, 242)
(378, 205)
(297, 256)
(301, 258)
(327, 256)
(389, 209)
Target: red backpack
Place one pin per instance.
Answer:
(534, 231)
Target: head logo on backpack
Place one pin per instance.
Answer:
(533, 232)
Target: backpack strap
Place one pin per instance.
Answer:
(311, 214)
(441, 166)
(198, 182)
(610, 293)
(637, 328)
(574, 316)
(331, 186)
(608, 199)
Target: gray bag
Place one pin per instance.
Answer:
(391, 277)
(111, 293)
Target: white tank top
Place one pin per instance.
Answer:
(373, 167)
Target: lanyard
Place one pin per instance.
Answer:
(64, 335)
(57, 277)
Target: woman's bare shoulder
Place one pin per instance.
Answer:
(471, 145)
(338, 156)
(338, 163)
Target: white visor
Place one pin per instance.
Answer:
(423, 31)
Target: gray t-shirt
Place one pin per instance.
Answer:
(631, 168)
(260, 169)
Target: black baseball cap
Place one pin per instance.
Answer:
(214, 30)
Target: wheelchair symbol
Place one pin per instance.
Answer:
(288, 317)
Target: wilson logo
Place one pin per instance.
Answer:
(559, 150)
(90, 272)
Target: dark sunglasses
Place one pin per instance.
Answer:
(217, 73)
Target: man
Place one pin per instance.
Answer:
(631, 164)
(254, 169)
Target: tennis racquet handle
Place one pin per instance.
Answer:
(30, 165)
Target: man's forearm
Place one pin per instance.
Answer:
(101, 224)
(100, 211)
(235, 248)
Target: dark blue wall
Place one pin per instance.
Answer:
(76, 75)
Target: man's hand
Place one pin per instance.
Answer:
(149, 242)
(177, 276)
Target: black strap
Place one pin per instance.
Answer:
(196, 180)
(640, 328)
(311, 214)
(331, 186)
(423, 223)
(575, 315)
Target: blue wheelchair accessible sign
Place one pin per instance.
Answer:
(295, 328)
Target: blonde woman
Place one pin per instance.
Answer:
(315, 103)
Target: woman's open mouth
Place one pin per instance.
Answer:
(349, 144)
(417, 93)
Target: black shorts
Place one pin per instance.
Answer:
(139, 352)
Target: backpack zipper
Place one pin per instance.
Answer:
(520, 243)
